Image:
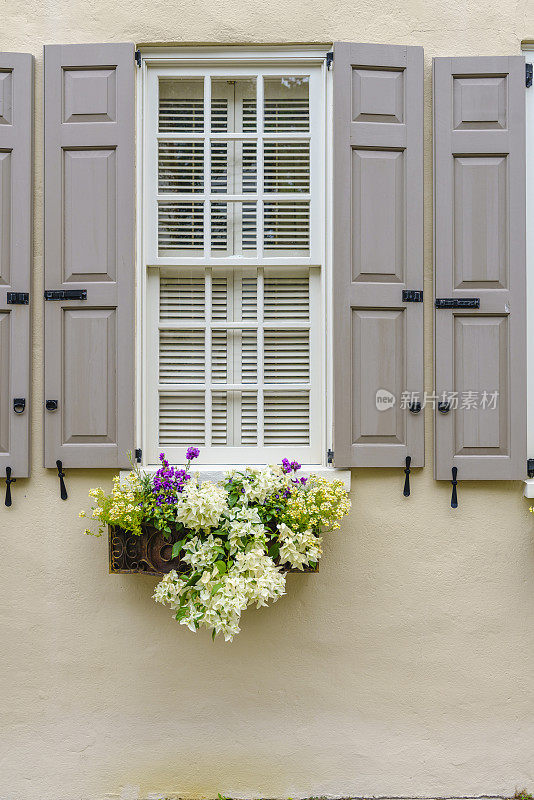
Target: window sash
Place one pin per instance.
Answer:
(152, 263)
(315, 136)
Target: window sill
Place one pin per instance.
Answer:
(529, 488)
(215, 473)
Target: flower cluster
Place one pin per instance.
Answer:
(234, 541)
(121, 507)
(322, 505)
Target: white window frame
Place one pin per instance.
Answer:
(238, 60)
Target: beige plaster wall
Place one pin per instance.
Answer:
(405, 667)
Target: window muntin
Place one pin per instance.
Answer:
(233, 251)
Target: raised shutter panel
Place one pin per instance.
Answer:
(377, 252)
(89, 244)
(16, 137)
(479, 245)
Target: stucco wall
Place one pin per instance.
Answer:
(405, 667)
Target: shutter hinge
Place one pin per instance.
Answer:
(530, 467)
(528, 75)
(137, 56)
(457, 302)
(329, 59)
(65, 294)
(18, 298)
(138, 455)
(329, 456)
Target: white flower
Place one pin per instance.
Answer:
(298, 549)
(201, 506)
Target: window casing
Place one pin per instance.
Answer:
(232, 246)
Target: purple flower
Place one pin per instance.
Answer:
(192, 452)
(295, 466)
(303, 481)
(286, 466)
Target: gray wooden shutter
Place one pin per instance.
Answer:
(378, 252)
(89, 245)
(479, 245)
(16, 197)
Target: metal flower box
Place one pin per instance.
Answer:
(150, 553)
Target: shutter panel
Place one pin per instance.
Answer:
(378, 252)
(479, 195)
(16, 138)
(89, 244)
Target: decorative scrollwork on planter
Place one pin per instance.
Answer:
(150, 553)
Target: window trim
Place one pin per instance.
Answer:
(294, 57)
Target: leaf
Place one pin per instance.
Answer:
(232, 500)
(177, 548)
(213, 639)
(216, 588)
(180, 614)
(221, 566)
(274, 551)
(192, 580)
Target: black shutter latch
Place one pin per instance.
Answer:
(530, 467)
(329, 59)
(18, 298)
(412, 295)
(19, 404)
(138, 455)
(137, 56)
(528, 75)
(329, 456)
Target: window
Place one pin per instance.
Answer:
(233, 241)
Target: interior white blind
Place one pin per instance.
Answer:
(216, 338)
(285, 169)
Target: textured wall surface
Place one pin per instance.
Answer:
(405, 667)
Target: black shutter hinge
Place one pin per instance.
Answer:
(457, 302)
(65, 294)
(329, 59)
(329, 456)
(137, 57)
(138, 455)
(530, 467)
(18, 298)
(528, 75)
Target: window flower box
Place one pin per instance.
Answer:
(217, 547)
(151, 553)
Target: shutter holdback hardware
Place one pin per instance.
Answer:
(9, 481)
(61, 475)
(454, 497)
(406, 491)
